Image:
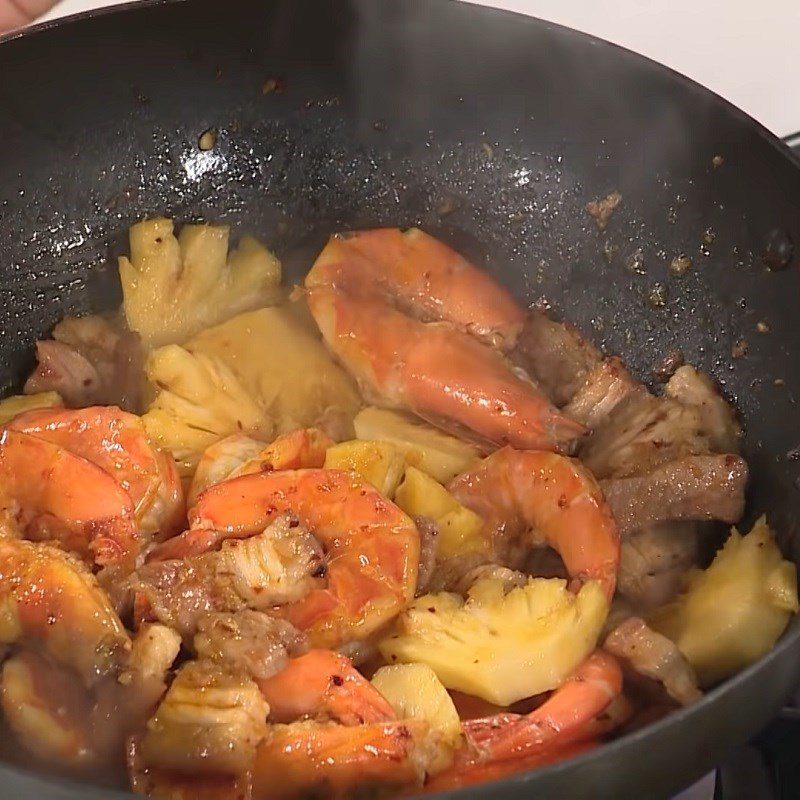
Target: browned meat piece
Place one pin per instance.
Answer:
(656, 657)
(718, 419)
(693, 488)
(606, 386)
(601, 210)
(278, 566)
(450, 573)
(555, 355)
(248, 642)
(654, 561)
(643, 433)
(428, 534)
(510, 578)
(89, 361)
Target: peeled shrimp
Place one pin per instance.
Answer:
(56, 495)
(116, 442)
(440, 368)
(50, 600)
(240, 455)
(505, 743)
(322, 683)
(523, 492)
(372, 547)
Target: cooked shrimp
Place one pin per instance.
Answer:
(116, 442)
(57, 495)
(306, 758)
(424, 275)
(322, 683)
(506, 743)
(240, 455)
(49, 600)
(372, 547)
(436, 369)
(45, 710)
(523, 492)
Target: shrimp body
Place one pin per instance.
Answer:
(116, 442)
(506, 743)
(372, 547)
(51, 601)
(555, 497)
(324, 683)
(422, 274)
(57, 495)
(425, 352)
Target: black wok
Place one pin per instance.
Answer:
(488, 129)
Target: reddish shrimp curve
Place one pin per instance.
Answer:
(442, 367)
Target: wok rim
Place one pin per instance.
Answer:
(506, 786)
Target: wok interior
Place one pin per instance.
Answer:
(492, 137)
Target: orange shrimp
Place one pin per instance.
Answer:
(57, 495)
(438, 369)
(424, 274)
(324, 683)
(306, 758)
(518, 491)
(50, 600)
(372, 547)
(116, 442)
(506, 743)
(240, 455)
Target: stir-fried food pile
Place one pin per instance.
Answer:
(386, 531)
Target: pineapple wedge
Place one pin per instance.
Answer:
(733, 612)
(380, 463)
(501, 647)
(173, 287)
(10, 407)
(414, 692)
(460, 529)
(261, 373)
(439, 455)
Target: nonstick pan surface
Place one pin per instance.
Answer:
(488, 129)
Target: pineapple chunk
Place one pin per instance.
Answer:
(174, 287)
(733, 612)
(438, 454)
(414, 692)
(10, 407)
(501, 647)
(260, 373)
(201, 400)
(380, 463)
(460, 529)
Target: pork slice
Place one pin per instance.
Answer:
(249, 642)
(654, 561)
(605, 387)
(718, 420)
(692, 488)
(556, 356)
(642, 433)
(90, 361)
(655, 656)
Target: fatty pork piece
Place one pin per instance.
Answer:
(248, 642)
(656, 657)
(278, 566)
(90, 361)
(694, 487)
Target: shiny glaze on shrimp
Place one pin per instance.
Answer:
(506, 743)
(238, 455)
(372, 547)
(50, 600)
(523, 492)
(441, 368)
(324, 683)
(116, 442)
